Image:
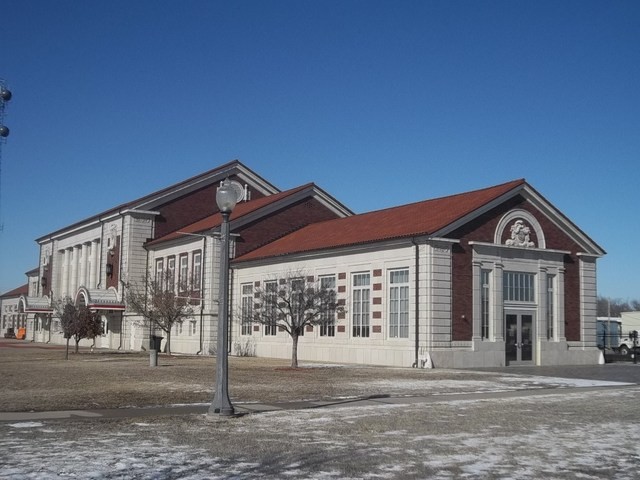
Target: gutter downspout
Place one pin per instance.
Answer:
(121, 325)
(124, 286)
(121, 246)
(122, 283)
(146, 296)
(230, 308)
(99, 272)
(417, 303)
(202, 291)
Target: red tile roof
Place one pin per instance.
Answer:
(16, 292)
(242, 209)
(151, 196)
(421, 218)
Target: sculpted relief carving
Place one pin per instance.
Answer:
(520, 235)
(112, 239)
(46, 253)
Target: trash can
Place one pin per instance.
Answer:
(155, 342)
(154, 348)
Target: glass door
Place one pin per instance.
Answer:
(518, 338)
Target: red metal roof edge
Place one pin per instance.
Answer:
(212, 221)
(16, 292)
(126, 205)
(510, 186)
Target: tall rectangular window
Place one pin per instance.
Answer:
(360, 306)
(399, 303)
(183, 273)
(297, 303)
(271, 299)
(196, 271)
(328, 315)
(519, 287)
(171, 274)
(484, 303)
(246, 308)
(159, 278)
(551, 289)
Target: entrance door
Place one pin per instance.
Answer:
(519, 338)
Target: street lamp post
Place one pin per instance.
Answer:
(226, 198)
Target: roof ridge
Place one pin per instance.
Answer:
(518, 181)
(384, 224)
(141, 199)
(266, 200)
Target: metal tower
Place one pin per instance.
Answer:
(5, 96)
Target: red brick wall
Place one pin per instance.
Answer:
(482, 230)
(47, 275)
(191, 208)
(114, 259)
(281, 223)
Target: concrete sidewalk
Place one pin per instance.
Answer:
(242, 409)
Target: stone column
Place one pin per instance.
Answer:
(82, 282)
(560, 335)
(542, 319)
(477, 301)
(498, 303)
(64, 274)
(93, 271)
(73, 279)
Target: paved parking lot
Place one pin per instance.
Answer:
(613, 372)
(322, 422)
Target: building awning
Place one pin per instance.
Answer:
(28, 304)
(100, 299)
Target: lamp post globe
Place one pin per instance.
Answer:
(226, 198)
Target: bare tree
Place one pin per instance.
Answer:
(613, 307)
(77, 322)
(291, 304)
(161, 302)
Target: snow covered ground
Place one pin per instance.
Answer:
(557, 434)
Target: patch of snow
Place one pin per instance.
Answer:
(580, 446)
(26, 425)
(565, 382)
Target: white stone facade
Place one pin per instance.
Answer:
(490, 286)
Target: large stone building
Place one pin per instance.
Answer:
(484, 278)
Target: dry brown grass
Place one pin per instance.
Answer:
(39, 379)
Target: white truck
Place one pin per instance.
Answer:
(609, 336)
(628, 342)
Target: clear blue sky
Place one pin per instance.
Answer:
(379, 103)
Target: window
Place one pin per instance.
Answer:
(193, 327)
(271, 300)
(484, 303)
(196, 270)
(328, 314)
(519, 287)
(297, 303)
(183, 273)
(179, 328)
(246, 308)
(105, 326)
(159, 271)
(171, 273)
(360, 294)
(550, 304)
(399, 304)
